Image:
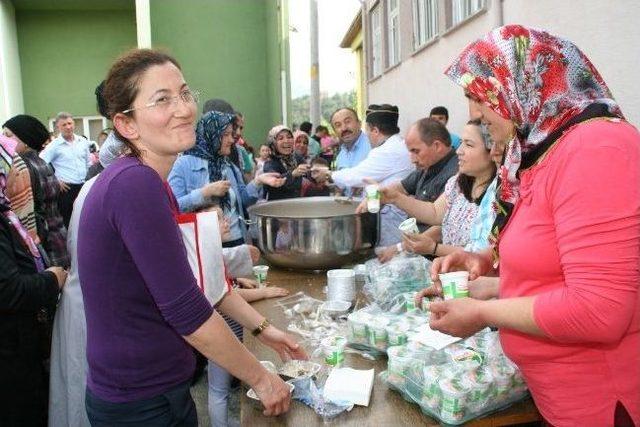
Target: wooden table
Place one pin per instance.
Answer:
(387, 407)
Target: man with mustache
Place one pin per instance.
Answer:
(354, 143)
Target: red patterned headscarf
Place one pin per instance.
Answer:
(542, 83)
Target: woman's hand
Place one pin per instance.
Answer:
(216, 189)
(362, 207)
(61, 275)
(301, 170)
(254, 253)
(484, 288)
(418, 243)
(274, 394)
(272, 292)
(434, 290)
(284, 344)
(246, 283)
(272, 179)
(459, 317)
(477, 264)
(387, 253)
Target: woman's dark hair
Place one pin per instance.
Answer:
(465, 182)
(123, 80)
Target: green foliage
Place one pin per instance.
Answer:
(300, 107)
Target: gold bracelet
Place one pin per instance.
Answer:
(261, 327)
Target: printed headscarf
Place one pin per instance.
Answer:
(542, 83)
(289, 162)
(209, 132)
(5, 209)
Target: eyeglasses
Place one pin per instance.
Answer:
(186, 96)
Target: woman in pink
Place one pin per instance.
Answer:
(568, 228)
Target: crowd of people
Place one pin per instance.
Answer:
(538, 198)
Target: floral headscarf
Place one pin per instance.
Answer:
(289, 162)
(209, 132)
(542, 83)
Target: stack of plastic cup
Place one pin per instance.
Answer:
(341, 285)
(372, 193)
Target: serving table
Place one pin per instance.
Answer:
(386, 408)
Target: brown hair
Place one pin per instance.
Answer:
(123, 80)
(430, 130)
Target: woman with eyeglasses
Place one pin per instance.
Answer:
(285, 162)
(143, 307)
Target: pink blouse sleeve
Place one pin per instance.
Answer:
(594, 198)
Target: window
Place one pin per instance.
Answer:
(425, 21)
(393, 35)
(462, 9)
(376, 41)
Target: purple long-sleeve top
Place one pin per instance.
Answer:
(140, 295)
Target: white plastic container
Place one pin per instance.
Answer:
(341, 285)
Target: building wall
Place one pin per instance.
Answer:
(64, 54)
(228, 49)
(606, 31)
(10, 78)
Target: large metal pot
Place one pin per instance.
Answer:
(313, 233)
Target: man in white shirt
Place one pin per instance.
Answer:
(69, 156)
(387, 162)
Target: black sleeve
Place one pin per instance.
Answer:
(410, 182)
(21, 290)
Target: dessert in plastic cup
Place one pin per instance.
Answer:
(372, 192)
(333, 349)
(455, 284)
(260, 271)
(409, 226)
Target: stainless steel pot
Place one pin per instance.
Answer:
(313, 233)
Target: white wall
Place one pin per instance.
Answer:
(11, 102)
(606, 30)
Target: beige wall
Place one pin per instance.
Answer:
(606, 30)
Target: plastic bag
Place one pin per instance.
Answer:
(402, 275)
(463, 381)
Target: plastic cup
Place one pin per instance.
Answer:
(357, 324)
(377, 331)
(333, 350)
(341, 285)
(260, 271)
(409, 226)
(455, 284)
(397, 334)
(372, 192)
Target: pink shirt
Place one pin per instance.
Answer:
(574, 241)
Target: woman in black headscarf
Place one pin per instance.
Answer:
(31, 136)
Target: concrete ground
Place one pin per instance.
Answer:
(199, 394)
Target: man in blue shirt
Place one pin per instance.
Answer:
(68, 154)
(441, 114)
(354, 143)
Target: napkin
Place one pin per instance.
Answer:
(349, 385)
(434, 339)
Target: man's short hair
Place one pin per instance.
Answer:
(63, 115)
(319, 161)
(217, 104)
(440, 111)
(322, 128)
(430, 130)
(344, 108)
(384, 117)
(306, 127)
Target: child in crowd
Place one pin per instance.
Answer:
(316, 183)
(263, 155)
